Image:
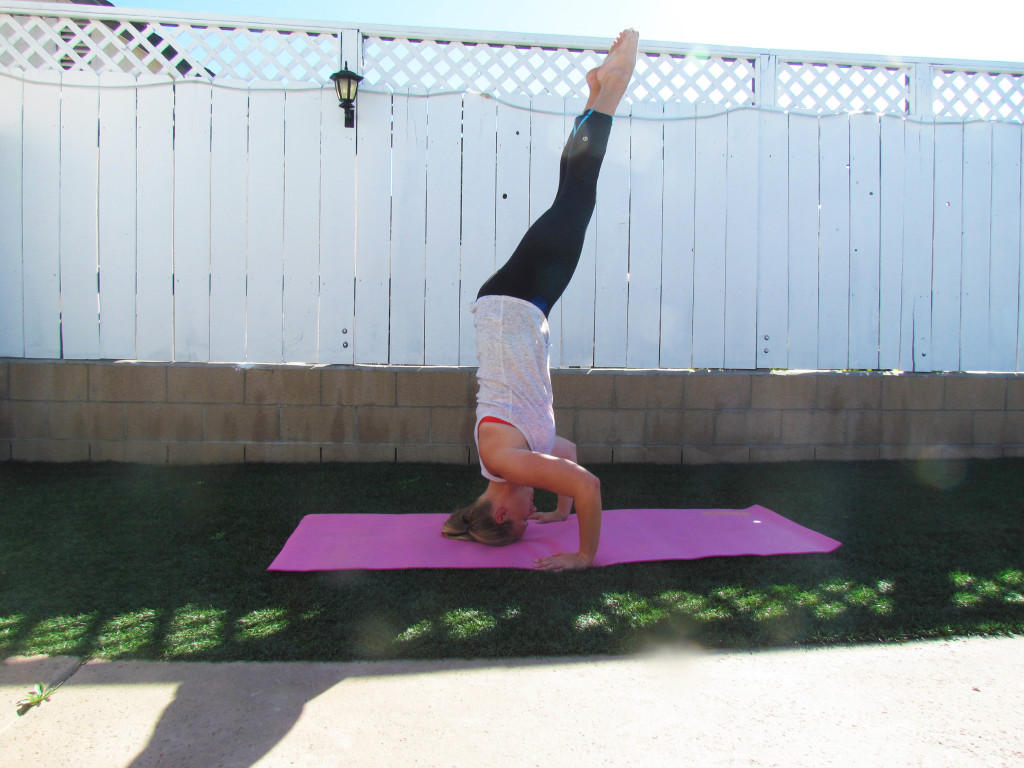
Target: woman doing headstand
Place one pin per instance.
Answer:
(515, 423)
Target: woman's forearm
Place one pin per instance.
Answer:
(564, 449)
(588, 515)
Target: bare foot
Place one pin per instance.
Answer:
(626, 37)
(595, 88)
(615, 72)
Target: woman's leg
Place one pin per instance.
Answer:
(543, 264)
(544, 261)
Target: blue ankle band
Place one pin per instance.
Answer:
(586, 115)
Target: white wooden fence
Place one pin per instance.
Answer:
(864, 219)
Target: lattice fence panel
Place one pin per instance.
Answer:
(843, 88)
(234, 49)
(966, 95)
(178, 50)
(424, 66)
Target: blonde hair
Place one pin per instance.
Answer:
(476, 523)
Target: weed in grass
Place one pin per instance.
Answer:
(35, 698)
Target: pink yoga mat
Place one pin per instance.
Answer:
(376, 542)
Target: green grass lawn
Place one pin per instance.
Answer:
(133, 562)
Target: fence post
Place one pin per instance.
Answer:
(767, 80)
(350, 49)
(350, 56)
(922, 105)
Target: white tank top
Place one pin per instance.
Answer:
(512, 347)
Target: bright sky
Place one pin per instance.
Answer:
(989, 30)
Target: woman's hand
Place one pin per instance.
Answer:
(564, 561)
(558, 516)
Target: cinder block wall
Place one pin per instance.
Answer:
(184, 414)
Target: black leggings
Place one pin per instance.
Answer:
(542, 265)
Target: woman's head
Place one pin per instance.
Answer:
(491, 522)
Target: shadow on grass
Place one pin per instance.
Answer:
(128, 562)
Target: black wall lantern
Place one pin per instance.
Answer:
(346, 83)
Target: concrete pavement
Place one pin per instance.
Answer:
(941, 703)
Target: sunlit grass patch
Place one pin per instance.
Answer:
(1011, 577)
(417, 631)
(9, 626)
(127, 634)
(465, 624)
(61, 634)
(748, 602)
(727, 594)
(702, 608)
(779, 602)
(882, 607)
(806, 598)
(261, 623)
(457, 624)
(972, 591)
(961, 579)
(592, 620)
(1012, 582)
(830, 610)
(195, 629)
(678, 600)
(715, 613)
(756, 604)
(770, 610)
(827, 601)
(632, 609)
(861, 595)
(966, 599)
(836, 587)
(835, 597)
